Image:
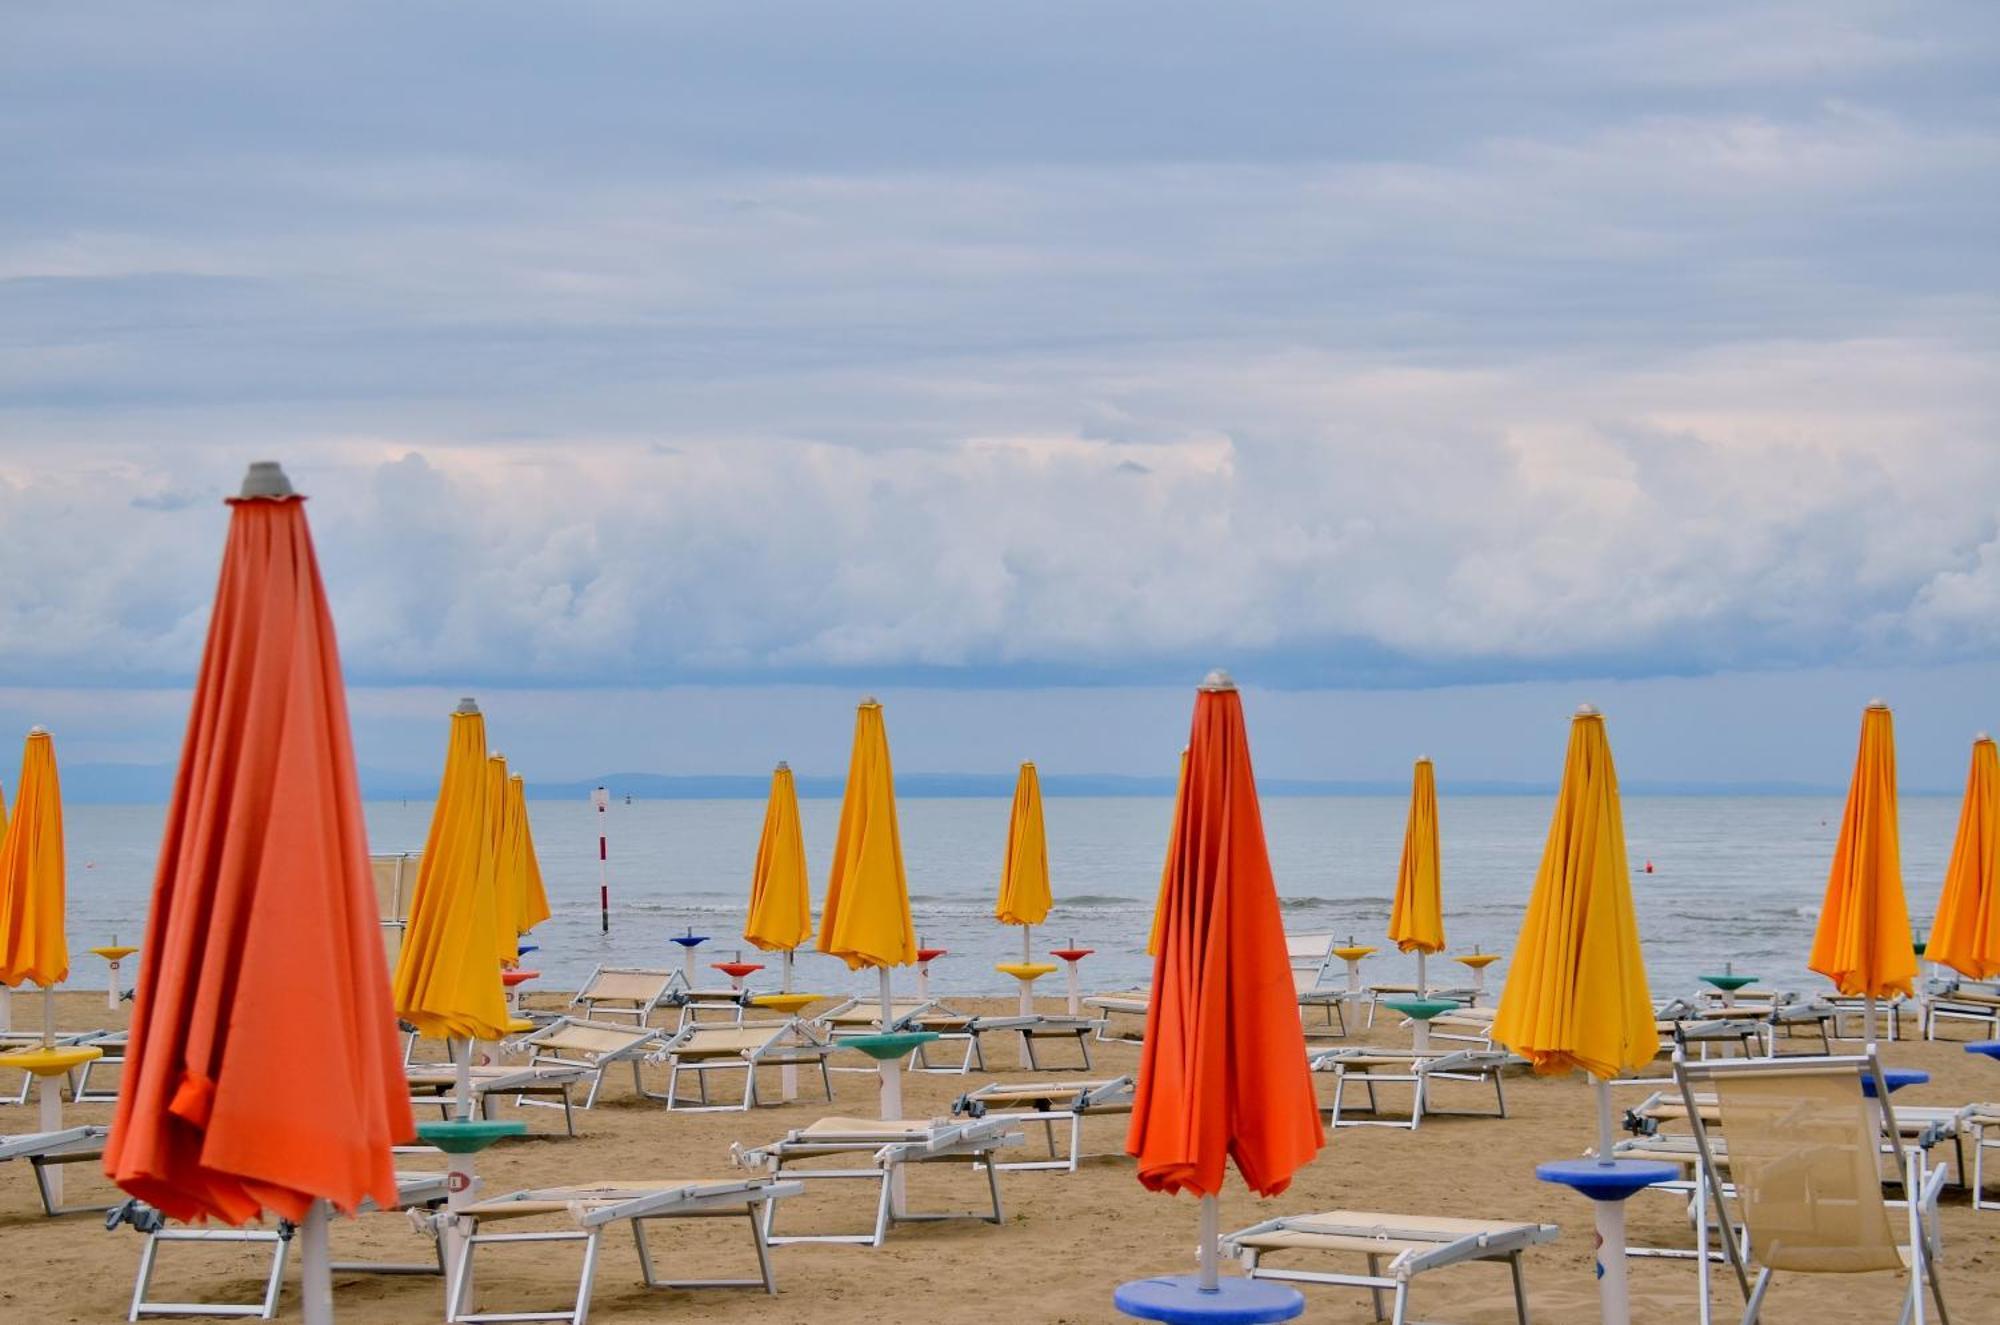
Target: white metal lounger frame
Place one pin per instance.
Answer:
(751, 1198)
(692, 1003)
(1976, 1001)
(1132, 1003)
(786, 1040)
(552, 1081)
(1362, 1066)
(1500, 1244)
(412, 1189)
(1049, 1104)
(112, 1046)
(1980, 1118)
(1920, 1190)
(72, 1145)
(971, 1142)
(549, 1046)
(625, 993)
(1030, 1029)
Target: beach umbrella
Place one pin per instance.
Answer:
(1167, 869)
(780, 915)
(865, 920)
(1966, 933)
(1863, 941)
(534, 895)
(1416, 918)
(447, 981)
(33, 947)
(1222, 1072)
(262, 1073)
(1576, 993)
(1024, 898)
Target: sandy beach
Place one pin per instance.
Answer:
(1067, 1241)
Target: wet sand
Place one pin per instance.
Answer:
(1067, 1241)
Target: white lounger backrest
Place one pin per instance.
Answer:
(1310, 953)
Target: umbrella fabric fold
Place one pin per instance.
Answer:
(1222, 1073)
(1863, 941)
(263, 1070)
(1025, 896)
(534, 894)
(33, 946)
(448, 977)
(1576, 993)
(865, 920)
(780, 915)
(519, 902)
(1966, 933)
(1416, 918)
(1167, 869)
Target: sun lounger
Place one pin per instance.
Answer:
(1331, 1000)
(572, 1042)
(704, 1047)
(71, 1145)
(876, 1152)
(1311, 955)
(973, 1030)
(1409, 1244)
(1372, 1067)
(1980, 1119)
(1888, 1016)
(1128, 1003)
(723, 1003)
(863, 1016)
(437, 1083)
(1465, 1026)
(624, 994)
(1974, 1001)
(1050, 1103)
(412, 1190)
(1916, 1124)
(589, 1209)
(111, 1054)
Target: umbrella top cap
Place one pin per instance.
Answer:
(1217, 680)
(1587, 711)
(870, 702)
(266, 479)
(1985, 737)
(782, 767)
(1879, 703)
(37, 730)
(467, 705)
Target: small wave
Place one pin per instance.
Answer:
(1096, 899)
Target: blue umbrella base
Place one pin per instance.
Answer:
(1178, 1300)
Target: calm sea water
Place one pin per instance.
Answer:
(1734, 878)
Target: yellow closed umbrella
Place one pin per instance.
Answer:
(448, 977)
(33, 946)
(1416, 918)
(780, 916)
(1025, 897)
(1863, 941)
(1167, 870)
(534, 893)
(1966, 933)
(866, 918)
(519, 900)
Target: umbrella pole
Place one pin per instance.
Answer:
(6, 1008)
(1868, 1021)
(788, 1075)
(1423, 984)
(1211, 1245)
(892, 1095)
(315, 1268)
(48, 1015)
(461, 1056)
(1614, 1296)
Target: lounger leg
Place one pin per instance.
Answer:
(1756, 1302)
(1500, 1091)
(461, 1278)
(1937, 1285)
(587, 1280)
(883, 1209)
(1402, 1315)
(749, 1086)
(826, 1078)
(993, 1185)
(1375, 1291)
(1083, 1043)
(645, 1254)
(569, 1114)
(763, 1253)
(1417, 1101)
(145, 1276)
(1075, 1140)
(1520, 1288)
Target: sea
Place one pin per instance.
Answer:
(1715, 879)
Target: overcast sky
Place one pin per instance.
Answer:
(673, 374)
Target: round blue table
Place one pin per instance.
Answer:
(1991, 1048)
(1178, 1300)
(1895, 1078)
(1609, 1186)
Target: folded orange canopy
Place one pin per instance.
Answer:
(1223, 1070)
(1966, 933)
(263, 1069)
(1863, 941)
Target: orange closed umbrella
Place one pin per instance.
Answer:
(263, 1071)
(1222, 1073)
(1966, 934)
(1863, 941)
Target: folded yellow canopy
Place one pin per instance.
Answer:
(780, 917)
(1416, 919)
(33, 946)
(1966, 934)
(1025, 897)
(519, 901)
(1576, 993)
(1863, 942)
(448, 975)
(866, 919)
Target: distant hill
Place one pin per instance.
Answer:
(152, 784)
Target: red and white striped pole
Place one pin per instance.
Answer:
(602, 800)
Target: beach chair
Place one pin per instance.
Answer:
(973, 1030)
(545, 1083)
(1395, 1248)
(744, 1046)
(395, 876)
(413, 1190)
(1805, 1157)
(573, 1042)
(877, 1151)
(1374, 1067)
(1331, 1000)
(588, 1210)
(111, 1046)
(1050, 1103)
(1981, 1119)
(71, 1145)
(1888, 1016)
(863, 1016)
(1311, 955)
(723, 1003)
(1130, 1004)
(1465, 1026)
(624, 993)
(1976, 1001)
